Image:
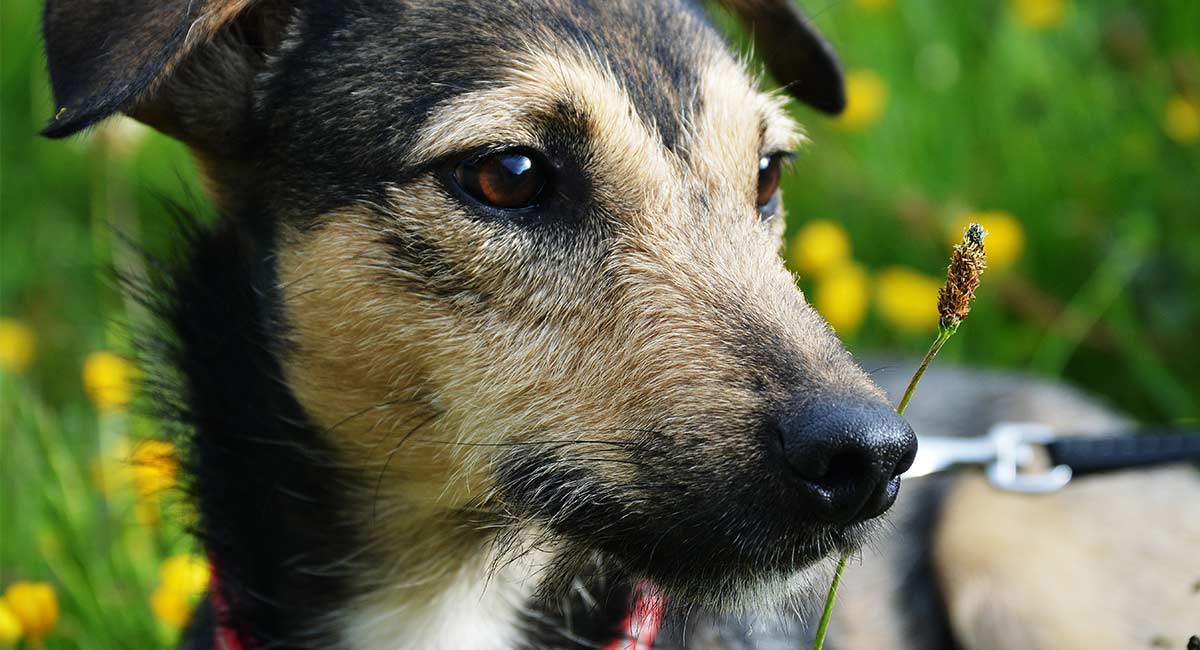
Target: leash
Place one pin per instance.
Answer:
(1028, 457)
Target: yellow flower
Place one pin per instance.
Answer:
(182, 579)
(874, 5)
(169, 609)
(866, 99)
(10, 625)
(1038, 14)
(17, 344)
(35, 605)
(153, 467)
(1181, 119)
(1005, 238)
(841, 296)
(108, 380)
(819, 246)
(907, 299)
(150, 467)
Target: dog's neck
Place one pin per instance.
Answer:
(476, 604)
(294, 570)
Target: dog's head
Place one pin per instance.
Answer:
(527, 264)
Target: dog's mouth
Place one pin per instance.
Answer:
(702, 525)
(732, 580)
(723, 548)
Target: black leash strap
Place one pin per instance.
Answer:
(1092, 455)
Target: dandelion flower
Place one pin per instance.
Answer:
(10, 625)
(819, 246)
(1038, 14)
(35, 605)
(866, 100)
(1181, 120)
(1005, 236)
(182, 579)
(841, 296)
(108, 379)
(153, 467)
(907, 299)
(172, 611)
(17, 344)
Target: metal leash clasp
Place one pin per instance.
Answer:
(1008, 453)
(1015, 452)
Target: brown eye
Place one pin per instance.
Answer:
(768, 180)
(509, 180)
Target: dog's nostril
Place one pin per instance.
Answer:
(844, 468)
(906, 460)
(848, 451)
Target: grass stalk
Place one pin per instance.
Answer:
(944, 335)
(954, 303)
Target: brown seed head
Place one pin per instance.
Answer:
(962, 278)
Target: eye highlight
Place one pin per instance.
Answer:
(770, 170)
(507, 180)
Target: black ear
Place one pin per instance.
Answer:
(796, 54)
(107, 55)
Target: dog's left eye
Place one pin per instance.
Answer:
(770, 169)
(509, 180)
(769, 173)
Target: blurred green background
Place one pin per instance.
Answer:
(1071, 129)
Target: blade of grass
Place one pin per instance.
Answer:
(954, 304)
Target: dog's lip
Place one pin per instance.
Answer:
(848, 538)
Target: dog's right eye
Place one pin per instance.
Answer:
(509, 180)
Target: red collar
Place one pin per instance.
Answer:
(639, 627)
(641, 624)
(225, 636)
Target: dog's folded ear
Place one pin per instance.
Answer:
(109, 56)
(795, 53)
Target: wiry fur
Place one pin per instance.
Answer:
(414, 421)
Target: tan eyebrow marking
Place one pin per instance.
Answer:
(736, 124)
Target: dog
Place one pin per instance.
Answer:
(492, 347)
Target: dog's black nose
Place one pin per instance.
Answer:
(847, 453)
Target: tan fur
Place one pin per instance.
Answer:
(586, 346)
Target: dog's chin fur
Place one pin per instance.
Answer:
(791, 580)
(522, 591)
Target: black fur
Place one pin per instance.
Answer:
(269, 489)
(93, 72)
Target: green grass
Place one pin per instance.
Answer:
(1051, 126)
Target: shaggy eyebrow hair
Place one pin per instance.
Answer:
(355, 132)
